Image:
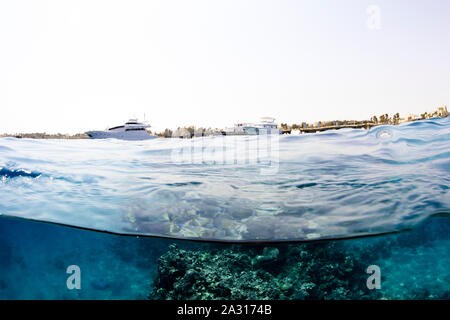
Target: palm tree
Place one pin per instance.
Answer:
(396, 118)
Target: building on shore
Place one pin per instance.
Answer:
(441, 112)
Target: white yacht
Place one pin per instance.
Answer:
(266, 125)
(131, 130)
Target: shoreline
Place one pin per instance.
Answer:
(284, 129)
(45, 136)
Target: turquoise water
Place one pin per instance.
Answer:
(256, 192)
(34, 258)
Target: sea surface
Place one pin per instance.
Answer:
(309, 213)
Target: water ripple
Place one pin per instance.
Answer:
(334, 184)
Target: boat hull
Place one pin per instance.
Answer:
(260, 131)
(124, 135)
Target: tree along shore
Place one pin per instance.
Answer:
(192, 131)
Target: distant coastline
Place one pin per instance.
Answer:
(45, 136)
(191, 131)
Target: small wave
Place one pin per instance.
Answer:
(3, 148)
(183, 184)
(306, 185)
(14, 173)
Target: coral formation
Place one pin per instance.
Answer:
(302, 271)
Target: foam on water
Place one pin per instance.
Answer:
(334, 184)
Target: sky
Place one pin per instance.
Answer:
(78, 65)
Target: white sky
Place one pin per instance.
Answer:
(71, 66)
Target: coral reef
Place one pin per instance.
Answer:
(302, 271)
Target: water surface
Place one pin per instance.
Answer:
(335, 184)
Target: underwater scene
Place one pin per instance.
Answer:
(34, 258)
(345, 214)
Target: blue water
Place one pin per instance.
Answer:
(331, 185)
(34, 258)
(334, 184)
